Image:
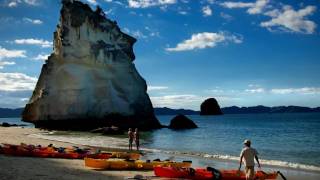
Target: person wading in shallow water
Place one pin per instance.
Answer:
(249, 154)
(130, 136)
(137, 138)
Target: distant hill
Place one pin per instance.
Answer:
(168, 111)
(6, 112)
(264, 109)
(241, 110)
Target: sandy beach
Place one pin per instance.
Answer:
(46, 168)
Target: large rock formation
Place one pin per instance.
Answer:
(210, 107)
(90, 80)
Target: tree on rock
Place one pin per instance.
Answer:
(210, 107)
(182, 122)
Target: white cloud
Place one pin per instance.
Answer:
(93, 2)
(32, 2)
(16, 82)
(225, 16)
(304, 90)
(289, 19)
(175, 101)
(232, 5)
(5, 53)
(41, 57)
(6, 63)
(39, 42)
(206, 10)
(33, 21)
(149, 3)
(205, 40)
(12, 4)
(14, 99)
(137, 33)
(254, 85)
(183, 12)
(155, 88)
(215, 91)
(253, 8)
(257, 90)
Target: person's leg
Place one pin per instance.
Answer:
(251, 173)
(246, 170)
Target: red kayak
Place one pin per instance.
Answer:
(209, 173)
(16, 150)
(185, 173)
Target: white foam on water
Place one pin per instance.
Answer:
(263, 161)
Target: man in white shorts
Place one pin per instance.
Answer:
(249, 154)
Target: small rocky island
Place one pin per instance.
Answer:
(181, 122)
(90, 80)
(210, 107)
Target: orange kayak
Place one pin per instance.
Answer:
(43, 152)
(100, 156)
(122, 164)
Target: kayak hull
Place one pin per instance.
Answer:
(121, 164)
(203, 174)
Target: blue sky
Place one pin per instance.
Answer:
(243, 53)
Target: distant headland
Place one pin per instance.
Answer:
(240, 110)
(7, 112)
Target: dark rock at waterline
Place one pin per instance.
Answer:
(210, 107)
(5, 124)
(182, 122)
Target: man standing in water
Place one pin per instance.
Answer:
(249, 154)
(137, 138)
(130, 136)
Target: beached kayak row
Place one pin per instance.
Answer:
(62, 152)
(130, 161)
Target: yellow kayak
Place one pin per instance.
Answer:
(121, 164)
(125, 155)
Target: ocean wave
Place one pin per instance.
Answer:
(277, 163)
(121, 143)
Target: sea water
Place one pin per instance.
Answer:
(286, 140)
(289, 140)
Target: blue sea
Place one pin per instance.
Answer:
(288, 140)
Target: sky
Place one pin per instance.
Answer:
(242, 52)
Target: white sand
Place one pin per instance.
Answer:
(23, 168)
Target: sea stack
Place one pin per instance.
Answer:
(90, 79)
(210, 107)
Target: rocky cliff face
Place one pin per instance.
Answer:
(90, 79)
